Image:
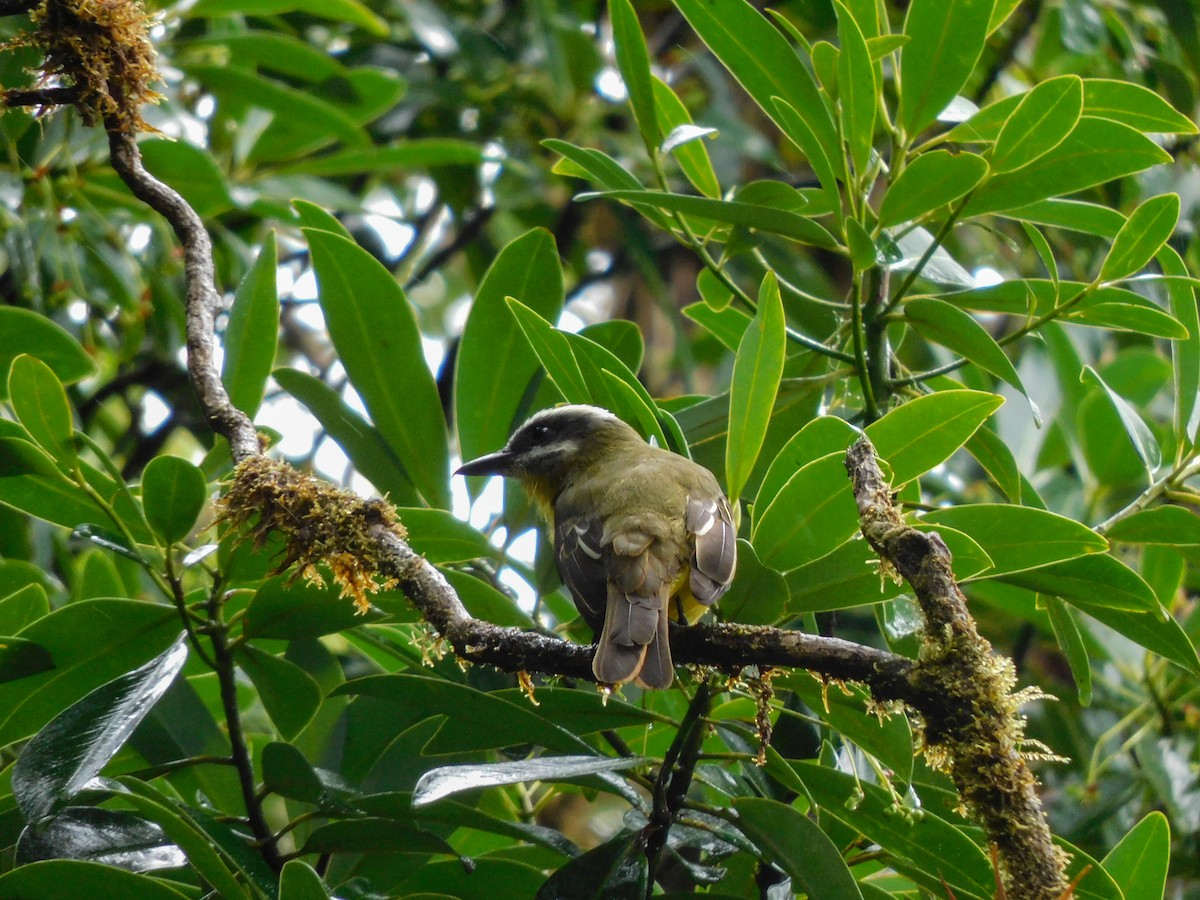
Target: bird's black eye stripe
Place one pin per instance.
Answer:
(541, 431)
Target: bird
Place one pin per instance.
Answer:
(641, 534)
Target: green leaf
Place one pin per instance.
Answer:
(1169, 525)
(70, 879)
(174, 492)
(91, 642)
(1139, 861)
(310, 215)
(923, 433)
(441, 538)
(633, 61)
(757, 369)
(925, 848)
(374, 329)
(78, 742)
(361, 441)
(763, 62)
(1141, 237)
(23, 607)
(1095, 152)
(253, 333)
(997, 460)
(857, 89)
(191, 171)
(812, 514)
(622, 338)
(41, 405)
(446, 781)
(24, 331)
(762, 218)
(1041, 121)
(727, 325)
(1138, 432)
(1126, 317)
(798, 846)
(1134, 105)
(929, 182)
(554, 351)
(692, 155)
(114, 837)
(187, 835)
(956, 330)
(290, 695)
(819, 437)
(495, 363)
(300, 881)
(483, 601)
(1098, 580)
(1020, 537)
(300, 611)
(1066, 633)
(945, 40)
(758, 596)
(1162, 636)
(616, 868)
(1185, 352)
(798, 131)
(888, 738)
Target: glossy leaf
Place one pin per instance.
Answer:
(112, 837)
(350, 11)
(298, 611)
(253, 332)
(371, 455)
(24, 331)
(811, 515)
(800, 133)
(727, 324)
(758, 595)
(1041, 121)
(1134, 105)
(23, 606)
(92, 642)
(998, 461)
(763, 62)
(1070, 642)
(446, 781)
(289, 694)
(1147, 629)
(72, 749)
(616, 868)
(1185, 352)
(554, 352)
(920, 434)
(173, 493)
(1141, 237)
(857, 90)
(1169, 525)
(299, 881)
(633, 62)
(757, 369)
(797, 845)
(1096, 579)
(1138, 432)
(375, 333)
(819, 437)
(417, 153)
(692, 155)
(1020, 537)
(954, 329)
(1139, 861)
(770, 219)
(41, 405)
(928, 183)
(926, 848)
(1095, 152)
(310, 215)
(945, 40)
(70, 879)
(495, 362)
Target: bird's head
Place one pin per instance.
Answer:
(554, 446)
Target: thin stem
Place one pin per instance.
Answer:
(871, 411)
(937, 241)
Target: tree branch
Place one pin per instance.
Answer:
(972, 727)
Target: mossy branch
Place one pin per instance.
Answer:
(969, 711)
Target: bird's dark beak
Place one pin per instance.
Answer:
(498, 463)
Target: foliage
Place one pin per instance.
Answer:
(964, 227)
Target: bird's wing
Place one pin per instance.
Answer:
(577, 542)
(714, 559)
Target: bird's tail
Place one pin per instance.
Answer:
(633, 645)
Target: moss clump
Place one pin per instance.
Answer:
(100, 52)
(318, 523)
